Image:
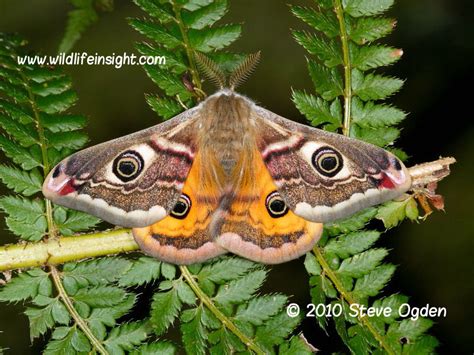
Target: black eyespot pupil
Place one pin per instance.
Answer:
(180, 208)
(128, 165)
(127, 168)
(277, 206)
(329, 163)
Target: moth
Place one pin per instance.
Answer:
(227, 176)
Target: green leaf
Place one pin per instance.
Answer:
(372, 283)
(194, 334)
(17, 113)
(357, 8)
(62, 123)
(26, 285)
(327, 81)
(374, 56)
(72, 140)
(29, 231)
(393, 212)
(241, 289)
(316, 110)
(352, 243)
(193, 5)
(97, 271)
(351, 224)
(161, 347)
(52, 87)
(374, 87)
(325, 22)
(24, 135)
(205, 16)
(167, 82)
(362, 263)
(226, 269)
(392, 302)
(168, 271)
(424, 345)
(368, 29)
(214, 38)
(325, 50)
(185, 293)
(101, 317)
(161, 12)
(164, 309)
(76, 222)
(156, 33)
(142, 271)
(57, 103)
(40, 320)
(374, 115)
(23, 182)
(378, 136)
(126, 337)
(311, 264)
(69, 342)
(100, 296)
(296, 346)
(275, 330)
(23, 209)
(19, 155)
(78, 21)
(260, 309)
(164, 107)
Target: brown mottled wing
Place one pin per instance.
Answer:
(183, 237)
(255, 223)
(324, 176)
(132, 181)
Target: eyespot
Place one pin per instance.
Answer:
(182, 207)
(128, 165)
(276, 207)
(327, 161)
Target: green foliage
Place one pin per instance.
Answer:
(80, 19)
(230, 284)
(217, 306)
(178, 30)
(345, 269)
(36, 133)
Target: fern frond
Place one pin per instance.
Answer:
(346, 270)
(83, 16)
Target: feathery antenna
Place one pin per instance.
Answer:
(210, 69)
(244, 70)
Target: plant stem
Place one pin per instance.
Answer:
(226, 322)
(64, 249)
(192, 64)
(72, 311)
(347, 296)
(346, 126)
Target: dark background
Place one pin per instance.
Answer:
(434, 258)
